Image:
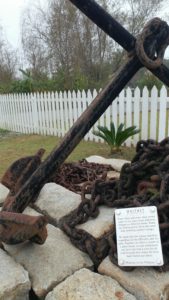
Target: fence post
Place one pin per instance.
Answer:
(145, 99)
(128, 114)
(162, 114)
(153, 113)
(35, 114)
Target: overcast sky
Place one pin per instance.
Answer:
(10, 11)
(10, 15)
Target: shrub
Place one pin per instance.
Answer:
(114, 138)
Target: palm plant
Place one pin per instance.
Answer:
(115, 138)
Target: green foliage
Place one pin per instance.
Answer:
(26, 74)
(72, 81)
(3, 131)
(80, 81)
(149, 80)
(115, 138)
(60, 82)
(20, 86)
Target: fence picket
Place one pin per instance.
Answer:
(128, 113)
(7, 112)
(4, 114)
(70, 109)
(26, 113)
(17, 113)
(85, 105)
(53, 113)
(136, 112)
(95, 127)
(162, 114)
(90, 97)
(114, 113)
(58, 114)
(74, 103)
(79, 104)
(93, 137)
(23, 112)
(39, 121)
(20, 113)
(62, 114)
(153, 113)
(66, 116)
(1, 113)
(45, 102)
(51, 125)
(42, 113)
(121, 106)
(29, 112)
(144, 129)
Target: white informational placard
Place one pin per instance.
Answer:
(138, 237)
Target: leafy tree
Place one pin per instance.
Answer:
(8, 60)
(60, 40)
(149, 80)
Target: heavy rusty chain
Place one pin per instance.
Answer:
(73, 175)
(144, 182)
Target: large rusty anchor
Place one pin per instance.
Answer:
(147, 50)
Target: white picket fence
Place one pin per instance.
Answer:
(55, 113)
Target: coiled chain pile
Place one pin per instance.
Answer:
(144, 182)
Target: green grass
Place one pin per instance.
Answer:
(13, 147)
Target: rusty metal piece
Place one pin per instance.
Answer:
(157, 31)
(18, 173)
(164, 188)
(73, 175)
(144, 185)
(16, 228)
(21, 170)
(155, 178)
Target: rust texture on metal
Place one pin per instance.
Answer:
(26, 179)
(18, 173)
(15, 227)
(73, 175)
(161, 32)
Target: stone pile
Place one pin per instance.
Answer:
(57, 270)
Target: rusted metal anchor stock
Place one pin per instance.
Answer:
(26, 177)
